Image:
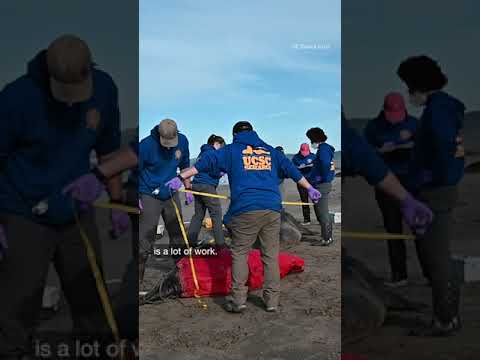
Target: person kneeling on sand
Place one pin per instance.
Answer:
(253, 169)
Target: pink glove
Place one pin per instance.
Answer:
(314, 194)
(120, 222)
(188, 198)
(417, 216)
(86, 189)
(174, 184)
(3, 242)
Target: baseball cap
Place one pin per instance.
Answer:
(394, 107)
(168, 133)
(304, 149)
(69, 65)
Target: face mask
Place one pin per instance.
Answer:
(315, 145)
(417, 99)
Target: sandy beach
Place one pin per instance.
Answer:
(306, 327)
(360, 212)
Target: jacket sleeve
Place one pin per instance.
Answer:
(287, 169)
(110, 135)
(322, 162)
(359, 158)
(444, 132)
(213, 162)
(7, 128)
(185, 162)
(369, 134)
(295, 161)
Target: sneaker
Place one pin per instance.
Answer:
(271, 309)
(397, 284)
(437, 329)
(233, 308)
(305, 223)
(322, 242)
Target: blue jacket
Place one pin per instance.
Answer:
(303, 163)
(253, 169)
(204, 177)
(379, 131)
(323, 170)
(45, 144)
(359, 158)
(157, 164)
(437, 147)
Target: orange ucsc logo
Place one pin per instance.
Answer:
(256, 159)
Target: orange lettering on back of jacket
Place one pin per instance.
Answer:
(256, 159)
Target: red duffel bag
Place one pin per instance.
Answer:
(214, 273)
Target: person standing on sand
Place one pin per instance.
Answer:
(359, 158)
(207, 183)
(51, 119)
(321, 176)
(393, 133)
(439, 160)
(253, 169)
(303, 160)
(162, 153)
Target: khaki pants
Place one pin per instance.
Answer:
(245, 228)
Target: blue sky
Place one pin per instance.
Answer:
(209, 64)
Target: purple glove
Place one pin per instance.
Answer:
(174, 184)
(314, 194)
(222, 173)
(140, 204)
(120, 222)
(3, 242)
(188, 198)
(417, 216)
(86, 189)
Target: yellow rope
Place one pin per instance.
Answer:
(190, 257)
(224, 197)
(296, 203)
(125, 208)
(102, 291)
(205, 194)
(376, 236)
